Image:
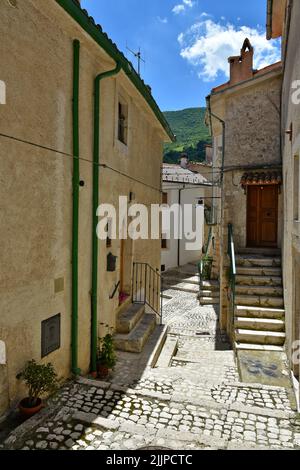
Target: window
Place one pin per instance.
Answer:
(296, 188)
(50, 335)
(123, 123)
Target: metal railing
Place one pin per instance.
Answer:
(201, 264)
(146, 288)
(232, 277)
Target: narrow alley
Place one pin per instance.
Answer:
(191, 399)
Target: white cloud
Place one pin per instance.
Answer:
(207, 46)
(162, 20)
(181, 7)
(178, 9)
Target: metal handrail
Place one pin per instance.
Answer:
(146, 287)
(232, 275)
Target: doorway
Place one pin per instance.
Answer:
(262, 216)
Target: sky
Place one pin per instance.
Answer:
(185, 43)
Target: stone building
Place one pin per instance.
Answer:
(244, 117)
(283, 20)
(81, 129)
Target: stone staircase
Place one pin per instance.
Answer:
(134, 327)
(259, 317)
(209, 293)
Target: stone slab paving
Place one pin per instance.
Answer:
(196, 403)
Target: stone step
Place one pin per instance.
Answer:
(258, 271)
(168, 351)
(210, 293)
(260, 301)
(261, 324)
(259, 251)
(244, 279)
(260, 337)
(259, 312)
(209, 300)
(181, 279)
(260, 261)
(137, 338)
(129, 318)
(267, 291)
(258, 347)
(182, 287)
(211, 285)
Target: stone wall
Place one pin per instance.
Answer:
(253, 124)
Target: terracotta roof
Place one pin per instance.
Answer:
(257, 178)
(256, 73)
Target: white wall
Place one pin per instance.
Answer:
(190, 195)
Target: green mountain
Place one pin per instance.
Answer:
(192, 135)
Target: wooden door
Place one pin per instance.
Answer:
(262, 216)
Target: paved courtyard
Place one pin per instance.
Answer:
(193, 400)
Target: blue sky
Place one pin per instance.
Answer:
(186, 43)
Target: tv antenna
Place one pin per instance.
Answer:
(138, 56)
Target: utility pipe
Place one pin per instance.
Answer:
(95, 254)
(75, 223)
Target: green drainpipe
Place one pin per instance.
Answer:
(96, 161)
(75, 229)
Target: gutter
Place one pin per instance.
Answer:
(75, 223)
(211, 114)
(95, 244)
(87, 23)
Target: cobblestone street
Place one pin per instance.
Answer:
(194, 401)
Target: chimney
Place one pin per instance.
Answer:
(184, 160)
(241, 67)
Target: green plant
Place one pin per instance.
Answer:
(106, 355)
(206, 267)
(40, 379)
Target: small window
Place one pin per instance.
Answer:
(165, 198)
(296, 188)
(163, 268)
(50, 335)
(123, 123)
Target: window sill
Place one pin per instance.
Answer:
(122, 148)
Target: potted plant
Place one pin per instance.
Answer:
(106, 356)
(207, 262)
(39, 379)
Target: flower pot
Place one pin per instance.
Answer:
(27, 411)
(102, 371)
